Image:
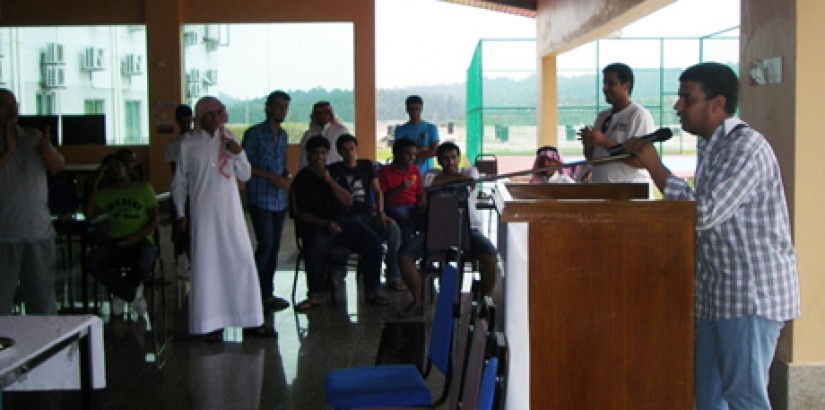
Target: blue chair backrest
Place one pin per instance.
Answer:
(441, 339)
(488, 385)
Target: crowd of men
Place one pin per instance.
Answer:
(746, 286)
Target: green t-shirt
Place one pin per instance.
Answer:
(127, 208)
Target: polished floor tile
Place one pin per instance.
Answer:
(155, 364)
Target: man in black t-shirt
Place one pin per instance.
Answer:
(359, 178)
(320, 205)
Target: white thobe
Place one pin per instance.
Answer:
(224, 290)
(331, 131)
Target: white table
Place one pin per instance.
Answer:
(53, 353)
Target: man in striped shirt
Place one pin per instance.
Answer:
(746, 281)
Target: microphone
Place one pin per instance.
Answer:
(660, 135)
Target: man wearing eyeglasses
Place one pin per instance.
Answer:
(623, 120)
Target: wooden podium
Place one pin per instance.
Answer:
(598, 297)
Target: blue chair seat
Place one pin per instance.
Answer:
(390, 385)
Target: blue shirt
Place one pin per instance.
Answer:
(266, 152)
(424, 134)
(745, 260)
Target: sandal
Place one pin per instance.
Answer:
(215, 337)
(260, 331)
(378, 300)
(307, 305)
(275, 303)
(397, 286)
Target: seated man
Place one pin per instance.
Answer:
(400, 182)
(448, 155)
(319, 205)
(132, 211)
(547, 157)
(358, 177)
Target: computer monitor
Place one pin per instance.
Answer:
(40, 122)
(83, 129)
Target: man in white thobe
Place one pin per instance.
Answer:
(225, 290)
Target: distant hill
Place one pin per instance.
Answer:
(446, 102)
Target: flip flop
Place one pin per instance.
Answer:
(275, 303)
(260, 331)
(307, 305)
(397, 286)
(215, 337)
(378, 300)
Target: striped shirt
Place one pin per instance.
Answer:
(745, 261)
(267, 152)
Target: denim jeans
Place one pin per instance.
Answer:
(268, 226)
(139, 257)
(407, 217)
(733, 357)
(355, 235)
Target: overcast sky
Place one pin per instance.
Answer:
(425, 42)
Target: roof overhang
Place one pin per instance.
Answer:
(524, 8)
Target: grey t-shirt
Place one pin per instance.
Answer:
(24, 191)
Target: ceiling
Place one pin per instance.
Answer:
(525, 8)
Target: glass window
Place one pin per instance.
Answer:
(93, 107)
(74, 70)
(132, 114)
(242, 63)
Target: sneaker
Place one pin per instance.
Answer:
(412, 310)
(117, 306)
(139, 304)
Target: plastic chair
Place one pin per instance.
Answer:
(487, 390)
(400, 385)
(299, 245)
(487, 164)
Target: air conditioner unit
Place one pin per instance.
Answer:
(92, 59)
(193, 90)
(54, 53)
(133, 64)
(54, 77)
(190, 38)
(193, 76)
(210, 77)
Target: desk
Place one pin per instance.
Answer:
(53, 353)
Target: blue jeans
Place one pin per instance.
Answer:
(733, 357)
(407, 217)
(139, 257)
(355, 235)
(268, 226)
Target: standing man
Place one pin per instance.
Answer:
(322, 122)
(423, 133)
(26, 233)
(265, 147)
(183, 117)
(746, 281)
(624, 119)
(225, 290)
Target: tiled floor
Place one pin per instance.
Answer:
(282, 373)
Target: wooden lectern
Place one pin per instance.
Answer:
(598, 297)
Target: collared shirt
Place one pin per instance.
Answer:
(745, 260)
(425, 135)
(267, 152)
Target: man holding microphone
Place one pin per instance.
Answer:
(746, 281)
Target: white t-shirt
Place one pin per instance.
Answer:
(632, 121)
